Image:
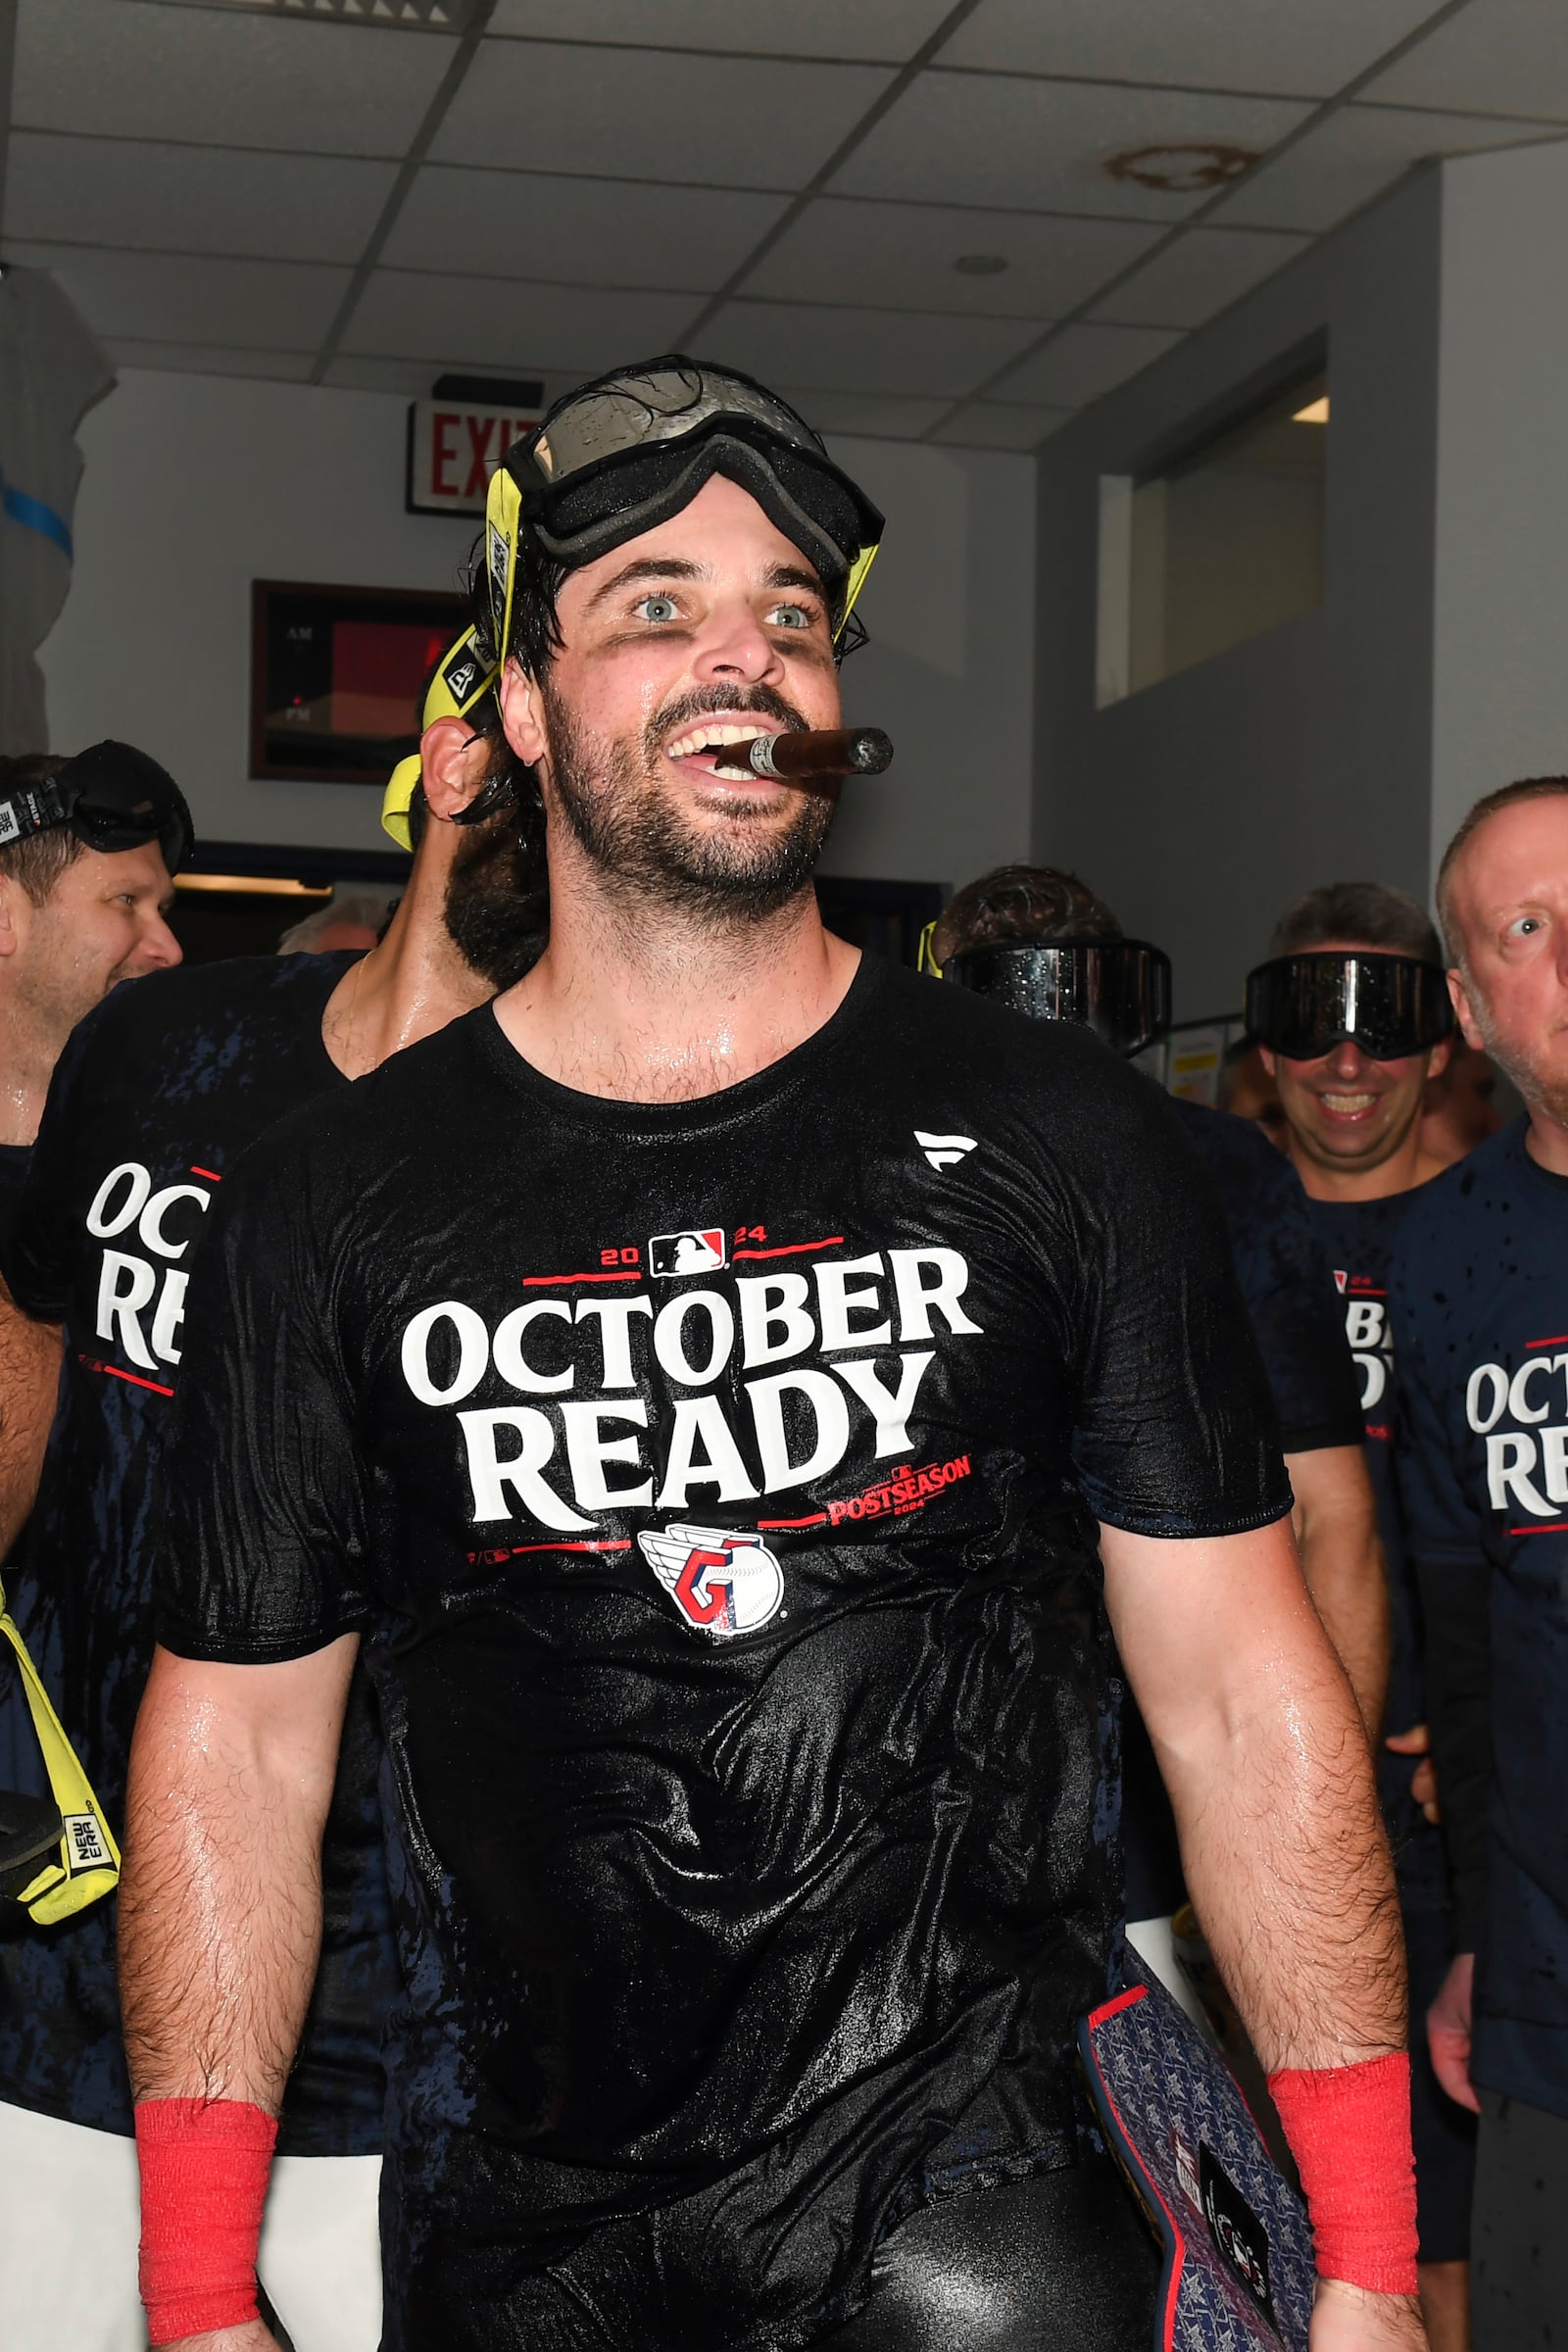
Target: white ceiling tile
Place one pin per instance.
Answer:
(866, 28)
(1273, 45)
(977, 139)
(884, 414)
(1082, 362)
(1206, 270)
(511, 328)
(861, 351)
(577, 231)
(749, 122)
(1001, 424)
(191, 199)
(181, 298)
(1503, 56)
(198, 359)
(1349, 157)
(222, 78)
(906, 255)
(411, 377)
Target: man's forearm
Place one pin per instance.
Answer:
(220, 1904)
(1342, 1562)
(30, 1379)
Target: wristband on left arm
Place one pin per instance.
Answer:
(1350, 2131)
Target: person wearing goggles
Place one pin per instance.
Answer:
(88, 849)
(1351, 1014)
(699, 1383)
(1478, 1293)
(159, 1092)
(1043, 942)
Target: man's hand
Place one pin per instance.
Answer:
(1449, 2032)
(1348, 2319)
(1417, 1742)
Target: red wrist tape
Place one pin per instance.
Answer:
(204, 2168)
(1350, 2131)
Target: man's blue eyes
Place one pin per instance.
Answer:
(660, 609)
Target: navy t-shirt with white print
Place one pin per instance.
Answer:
(157, 1091)
(716, 1485)
(1479, 1294)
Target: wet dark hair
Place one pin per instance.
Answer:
(37, 862)
(1527, 788)
(1373, 911)
(1039, 903)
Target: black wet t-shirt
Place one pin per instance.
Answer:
(716, 1485)
(157, 1091)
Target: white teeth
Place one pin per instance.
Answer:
(708, 738)
(1348, 1102)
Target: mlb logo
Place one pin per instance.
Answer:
(84, 1845)
(701, 1251)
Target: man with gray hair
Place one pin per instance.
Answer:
(1479, 1294)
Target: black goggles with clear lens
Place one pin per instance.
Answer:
(1120, 987)
(111, 796)
(1303, 1007)
(618, 456)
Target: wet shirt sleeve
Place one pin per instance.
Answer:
(264, 1539)
(1176, 1433)
(1298, 1317)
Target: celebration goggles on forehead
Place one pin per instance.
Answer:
(1303, 1007)
(1120, 987)
(618, 457)
(111, 796)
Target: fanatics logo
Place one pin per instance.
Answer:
(945, 1151)
(699, 1252)
(722, 1584)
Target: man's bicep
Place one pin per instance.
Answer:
(1203, 1624)
(293, 1709)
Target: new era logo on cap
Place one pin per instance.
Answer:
(945, 1151)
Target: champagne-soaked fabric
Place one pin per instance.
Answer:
(159, 1090)
(716, 1484)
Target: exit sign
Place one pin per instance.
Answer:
(454, 448)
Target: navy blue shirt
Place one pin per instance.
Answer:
(1479, 1294)
(1359, 1238)
(156, 1093)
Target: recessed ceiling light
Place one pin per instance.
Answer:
(1185, 169)
(1316, 411)
(980, 265)
(402, 16)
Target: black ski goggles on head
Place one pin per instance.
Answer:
(623, 455)
(111, 796)
(1303, 1007)
(1120, 987)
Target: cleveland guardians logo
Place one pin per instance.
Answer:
(722, 1584)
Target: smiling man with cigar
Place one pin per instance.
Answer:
(755, 1856)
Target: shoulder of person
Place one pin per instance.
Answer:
(1011, 1049)
(163, 1006)
(1238, 1149)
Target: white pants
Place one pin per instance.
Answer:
(70, 2219)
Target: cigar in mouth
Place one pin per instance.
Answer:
(827, 752)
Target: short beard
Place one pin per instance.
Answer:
(1544, 1090)
(497, 907)
(644, 848)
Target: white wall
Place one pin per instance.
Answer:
(197, 485)
(1500, 625)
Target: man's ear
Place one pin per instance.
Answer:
(11, 896)
(1267, 1059)
(1441, 1053)
(1458, 991)
(452, 764)
(522, 714)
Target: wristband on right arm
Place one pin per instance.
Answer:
(204, 2173)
